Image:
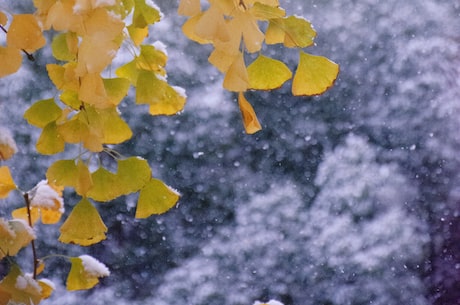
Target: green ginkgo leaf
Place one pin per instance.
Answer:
(155, 198)
(266, 73)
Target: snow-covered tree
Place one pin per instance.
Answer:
(367, 246)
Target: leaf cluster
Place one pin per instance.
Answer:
(232, 27)
(84, 110)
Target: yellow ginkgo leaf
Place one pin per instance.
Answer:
(92, 91)
(6, 182)
(212, 26)
(145, 14)
(62, 173)
(84, 180)
(173, 101)
(25, 33)
(47, 288)
(50, 141)
(128, 71)
(42, 113)
(116, 89)
(152, 58)
(85, 272)
(136, 34)
(21, 288)
(236, 79)
(7, 144)
(84, 226)
(114, 129)
(263, 11)
(162, 98)
(267, 73)
(293, 31)
(314, 75)
(133, 174)
(22, 213)
(155, 198)
(189, 7)
(3, 18)
(221, 59)
(67, 173)
(188, 28)
(48, 200)
(23, 235)
(105, 186)
(64, 77)
(250, 121)
(65, 46)
(11, 60)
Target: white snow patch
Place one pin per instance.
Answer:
(160, 46)
(44, 196)
(26, 281)
(271, 302)
(94, 267)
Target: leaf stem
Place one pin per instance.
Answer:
(29, 217)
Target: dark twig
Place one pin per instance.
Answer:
(34, 251)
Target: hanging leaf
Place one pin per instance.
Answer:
(42, 113)
(267, 73)
(68, 174)
(11, 60)
(50, 141)
(236, 79)
(162, 98)
(65, 46)
(314, 75)
(155, 198)
(21, 288)
(292, 31)
(145, 14)
(47, 288)
(250, 121)
(6, 182)
(25, 33)
(23, 213)
(85, 272)
(133, 174)
(105, 185)
(84, 225)
(7, 144)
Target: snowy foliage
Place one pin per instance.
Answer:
(373, 215)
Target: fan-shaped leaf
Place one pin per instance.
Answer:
(267, 73)
(42, 113)
(314, 75)
(155, 198)
(11, 60)
(25, 33)
(50, 141)
(236, 79)
(84, 226)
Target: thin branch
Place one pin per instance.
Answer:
(29, 55)
(34, 251)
